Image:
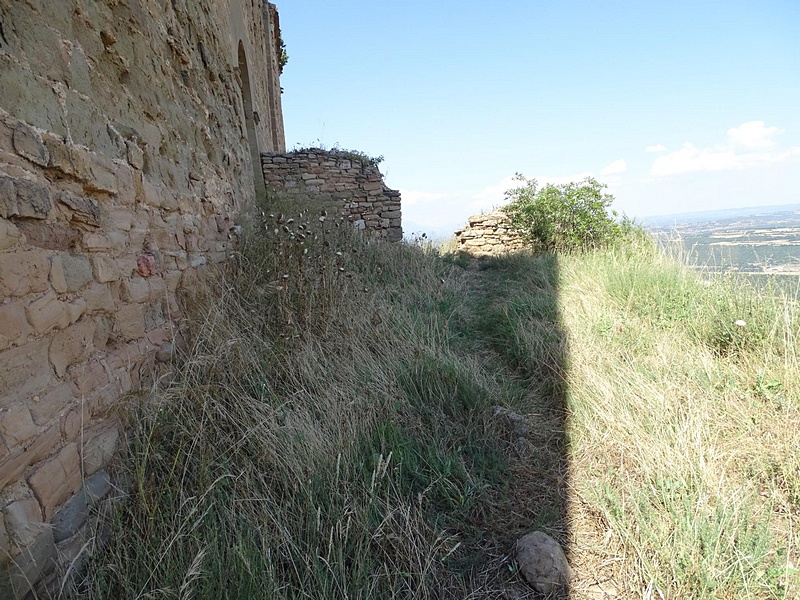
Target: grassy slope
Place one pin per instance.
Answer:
(334, 431)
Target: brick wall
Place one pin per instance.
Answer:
(488, 235)
(124, 162)
(340, 182)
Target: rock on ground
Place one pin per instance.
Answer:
(542, 562)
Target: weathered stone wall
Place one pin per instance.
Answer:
(340, 182)
(124, 160)
(488, 235)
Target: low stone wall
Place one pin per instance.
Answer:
(488, 235)
(340, 182)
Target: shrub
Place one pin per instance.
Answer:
(567, 217)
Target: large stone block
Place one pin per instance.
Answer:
(14, 325)
(84, 212)
(105, 269)
(12, 467)
(18, 577)
(23, 273)
(129, 323)
(56, 479)
(69, 520)
(72, 345)
(69, 272)
(99, 298)
(16, 425)
(99, 448)
(47, 313)
(23, 520)
(10, 235)
(28, 144)
(48, 405)
(135, 290)
(24, 371)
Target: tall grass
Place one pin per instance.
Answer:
(362, 420)
(327, 435)
(684, 426)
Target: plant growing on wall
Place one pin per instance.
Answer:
(567, 217)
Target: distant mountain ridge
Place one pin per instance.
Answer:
(717, 215)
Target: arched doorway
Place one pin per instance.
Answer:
(250, 123)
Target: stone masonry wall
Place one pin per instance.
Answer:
(488, 235)
(340, 182)
(124, 161)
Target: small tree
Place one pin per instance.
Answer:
(567, 217)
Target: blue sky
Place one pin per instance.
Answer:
(677, 106)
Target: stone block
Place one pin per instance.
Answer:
(135, 290)
(135, 155)
(99, 298)
(121, 219)
(47, 313)
(105, 269)
(13, 324)
(56, 479)
(72, 345)
(129, 323)
(128, 185)
(74, 421)
(74, 514)
(84, 212)
(76, 309)
(89, 377)
(24, 371)
(46, 406)
(103, 242)
(23, 520)
(32, 200)
(28, 144)
(10, 235)
(50, 236)
(104, 174)
(99, 400)
(12, 467)
(23, 273)
(18, 578)
(158, 289)
(16, 425)
(104, 327)
(69, 272)
(99, 448)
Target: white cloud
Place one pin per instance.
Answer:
(753, 135)
(749, 145)
(616, 167)
(655, 148)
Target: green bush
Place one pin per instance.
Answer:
(567, 217)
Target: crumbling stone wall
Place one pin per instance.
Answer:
(124, 161)
(488, 235)
(340, 182)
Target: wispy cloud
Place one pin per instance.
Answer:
(615, 168)
(752, 144)
(655, 148)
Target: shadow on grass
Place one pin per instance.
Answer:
(520, 322)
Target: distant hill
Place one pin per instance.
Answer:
(718, 215)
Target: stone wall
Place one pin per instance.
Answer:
(488, 235)
(340, 182)
(129, 141)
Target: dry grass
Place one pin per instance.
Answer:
(332, 432)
